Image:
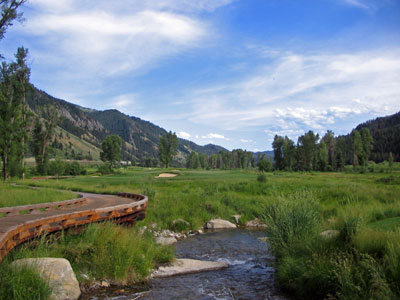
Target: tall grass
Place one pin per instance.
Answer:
(21, 284)
(103, 251)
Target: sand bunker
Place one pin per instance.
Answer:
(166, 175)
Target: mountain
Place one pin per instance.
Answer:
(385, 132)
(83, 129)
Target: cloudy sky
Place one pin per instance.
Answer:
(230, 72)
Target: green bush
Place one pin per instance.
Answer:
(262, 178)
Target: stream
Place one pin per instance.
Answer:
(249, 276)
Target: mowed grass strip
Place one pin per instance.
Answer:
(21, 195)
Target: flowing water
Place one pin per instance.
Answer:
(249, 276)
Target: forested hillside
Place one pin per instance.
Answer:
(140, 138)
(385, 132)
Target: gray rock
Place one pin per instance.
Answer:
(180, 222)
(166, 241)
(219, 224)
(187, 266)
(329, 234)
(236, 218)
(255, 223)
(57, 272)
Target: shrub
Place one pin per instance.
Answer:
(262, 178)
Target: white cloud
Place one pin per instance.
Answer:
(214, 136)
(184, 135)
(298, 91)
(246, 141)
(357, 3)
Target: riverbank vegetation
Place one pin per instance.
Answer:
(360, 262)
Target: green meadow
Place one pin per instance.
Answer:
(361, 260)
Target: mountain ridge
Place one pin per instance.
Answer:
(140, 137)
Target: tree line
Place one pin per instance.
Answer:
(329, 153)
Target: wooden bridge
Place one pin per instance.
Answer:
(21, 223)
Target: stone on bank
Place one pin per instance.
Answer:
(219, 224)
(57, 272)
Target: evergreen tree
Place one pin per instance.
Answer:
(322, 156)
(168, 146)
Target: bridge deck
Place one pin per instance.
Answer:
(18, 224)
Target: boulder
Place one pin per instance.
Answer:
(166, 241)
(57, 272)
(329, 234)
(188, 266)
(255, 223)
(219, 224)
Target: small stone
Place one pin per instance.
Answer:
(263, 239)
(104, 284)
(236, 218)
(199, 231)
(219, 224)
(255, 223)
(329, 234)
(166, 241)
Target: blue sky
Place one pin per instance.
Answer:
(234, 73)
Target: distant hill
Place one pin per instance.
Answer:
(268, 154)
(386, 134)
(83, 129)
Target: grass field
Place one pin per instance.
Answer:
(361, 262)
(21, 195)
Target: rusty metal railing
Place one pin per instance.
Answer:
(12, 236)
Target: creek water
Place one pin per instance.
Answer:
(250, 274)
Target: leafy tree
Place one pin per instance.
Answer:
(111, 147)
(356, 147)
(42, 135)
(277, 146)
(367, 144)
(168, 146)
(330, 141)
(341, 153)
(9, 14)
(306, 154)
(264, 165)
(288, 154)
(22, 75)
(10, 114)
